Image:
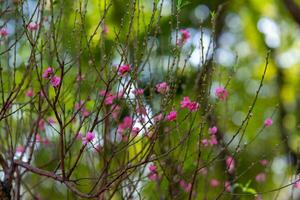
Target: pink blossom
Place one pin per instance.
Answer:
(38, 138)
(140, 109)
(88, 137)
(120, 94)
(187, 103)
(205, 142)
(105, 29)
(297, 184)
(79, 105)
(263, 162)
(98, 148)
(30, 92)
(51, 121)
(55, 81)
(79, 136)
(85, 112)
(172, 115)
(109, 99)
(162, 88)
(158, 117)
(221, 93)
(46, 141)
(3, 32)
(138, 92)
(194, 106)
(153, 176)
(213, 140)
(103, 93)
(42, 124)
(268, 122)
(214, 183)
(230, 163)
(213, 130)
(48, 72)
(32, 26)
(153, 168)
(125, 124)
(115, 109)
(227, 186)
(135, 131)
(185, 186)
(123, 69)
(20, 149)
(261, 177)
(42, 94)
(185, 35)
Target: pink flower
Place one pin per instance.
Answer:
(227, 186)
(85, 112)
(123, 69)
(51, 121)
(261, 177)
(79, 136)
(297, 184)
(135, 131)
(230, 163)
(42, 124)
(158, 117)
(46, 141)
(153, 168)
(79, 105)
(48, 72)
(153, 176)
(3, 32)
(32, 26)
(194, 106)
(105, 29)
(172, 115)
(213, 140)
(205, 142)
(55, 81)
(268, 122)
(162, 88)
(115, 111)
(140, 109)
(42, 94)
(187, 103)
(88, 137)
(221, 93)
(185, 35)
(214, 183)
(263, 162)
(185, 186)
(213, 130)
(138, 92)
(38, 138)
(125, 124)
(30, 92)
(20, 149)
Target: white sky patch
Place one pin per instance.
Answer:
(270, 30)
(201, 12)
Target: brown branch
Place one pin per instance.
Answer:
(293, 9)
